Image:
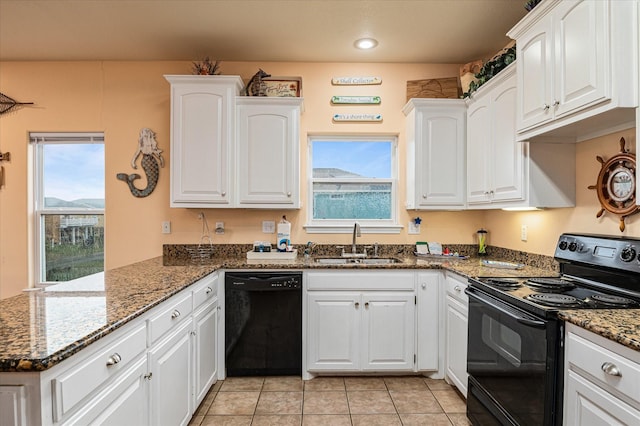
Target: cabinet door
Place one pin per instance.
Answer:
(388, 331)
(479, 151)
(333, 338)
(440, 149)
(508, 155)
(582, 55)
(268, 164)
(201, 130)
(170, 363)
(535, 75)
(456, 344)
(588, 405)
(205, 349)
(428, 314)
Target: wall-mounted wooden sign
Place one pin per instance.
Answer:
(356, 100)
(355, 81)
(357, 117)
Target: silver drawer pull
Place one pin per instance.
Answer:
(114, 359)
(457, 288)
(611, 369)
(209, 290)
(175, 314)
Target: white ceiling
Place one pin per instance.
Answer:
(411, 31)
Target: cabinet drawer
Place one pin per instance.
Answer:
(173, 312)
(594, 360)
(205, 291)
(455, 288)
(72, 386)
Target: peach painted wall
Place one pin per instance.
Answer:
(120, 98)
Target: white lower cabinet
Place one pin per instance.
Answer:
(602, 380)
(205, 325)
(360, 321)
(170, 362)
(457, 330)
(154, 370)
(430, 334)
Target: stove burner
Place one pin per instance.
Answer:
(614, 301)
(554, 299)
(550, 284)
(506, 283)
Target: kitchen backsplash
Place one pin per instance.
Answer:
(180, 253)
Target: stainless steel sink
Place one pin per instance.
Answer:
(357, 260)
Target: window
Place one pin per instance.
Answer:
(69, 205)
(352, 179)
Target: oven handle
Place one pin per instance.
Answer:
(500, 307)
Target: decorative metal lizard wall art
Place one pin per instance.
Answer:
(151, 162)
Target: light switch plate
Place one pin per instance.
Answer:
(414, 228)
(268, 226)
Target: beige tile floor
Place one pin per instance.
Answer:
(334, 401)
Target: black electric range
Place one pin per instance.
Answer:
(515, 341)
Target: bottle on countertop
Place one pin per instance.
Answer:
(284, 234)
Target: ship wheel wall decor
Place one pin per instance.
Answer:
(616, 185)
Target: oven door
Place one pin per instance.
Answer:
(512, 360)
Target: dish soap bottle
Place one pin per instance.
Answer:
(284, 234)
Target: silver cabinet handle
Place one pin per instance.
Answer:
(366, 305)
(424, 195)
(545, 107)
(209, 290)
(611, 369)
(148, 376)
(556, 103)
(114, 359)
(175, 314)
(289, 194)
(223, 193)
(357, 305)
(424, 285)
(457, 288)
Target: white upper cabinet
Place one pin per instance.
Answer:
(495, 169)
(577, 60)
(436, 133)
(202, 130)
(229, 151)
(268, 140)
(503, 173)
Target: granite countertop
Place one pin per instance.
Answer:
(39, 329)
(620, 325)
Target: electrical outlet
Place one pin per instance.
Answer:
(219, 228)
(268, 226)
(166, 227)
(524, 229)
(413, 228)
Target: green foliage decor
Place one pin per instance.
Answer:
(491, 68)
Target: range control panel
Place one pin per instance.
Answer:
(602, 250)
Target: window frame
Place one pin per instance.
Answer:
(37, 141)
(343, 226)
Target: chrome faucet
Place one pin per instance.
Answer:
(356, 233)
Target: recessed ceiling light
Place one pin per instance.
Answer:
(366, 43)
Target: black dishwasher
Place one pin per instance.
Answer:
(263, 323)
